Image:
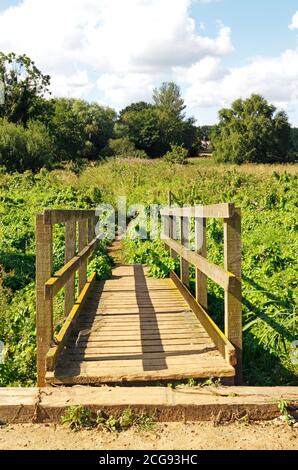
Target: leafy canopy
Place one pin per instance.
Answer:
(252, 131)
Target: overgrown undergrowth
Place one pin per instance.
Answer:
(268, 197)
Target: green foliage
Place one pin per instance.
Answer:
(128, 419)
(101, 264)
(283, 406)
(22, 148)
(24, 84)
(124, 148)
(153, 254)
(77, 418)
(252, 131)
(177, 155)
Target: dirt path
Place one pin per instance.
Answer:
(172, 436)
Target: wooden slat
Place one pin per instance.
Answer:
(58, 216)
(214, 211)
(224, 279)
(69, 324)
(222, 343)
(184, 265)
(201, 249)
(56, 283)
(70, 251)
(83, 242)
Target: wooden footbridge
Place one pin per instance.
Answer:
(132, 328)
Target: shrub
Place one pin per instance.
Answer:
(24, 148)
(177, 155)
(123, 147)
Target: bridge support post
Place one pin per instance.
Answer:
(44, 308)
(233, 297)
(184, 265)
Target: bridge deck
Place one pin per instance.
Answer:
(133, 328)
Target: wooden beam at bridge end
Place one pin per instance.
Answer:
(233, 296)
(201, 249)
(83, 241)
(44, 308)
(70, 252)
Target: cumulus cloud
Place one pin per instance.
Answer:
(294, 24)
(71, 38)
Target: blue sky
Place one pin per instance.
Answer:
(116, 51)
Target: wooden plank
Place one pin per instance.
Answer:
(222, 343)
(95, 344)
(184, 265)
(224, 279)
(56, 283)
(58, 216)
(44, 308)
(233, 296)
(214, 211)
(83, 242)
(134, 349)
(201, 249)
(70, 252)
(68, 326)
(78, 376)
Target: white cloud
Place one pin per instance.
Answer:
(69, 38)
(210, 85)
(294, 24)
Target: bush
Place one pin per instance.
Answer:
(177, 155)
(24, 148)
(123, 147)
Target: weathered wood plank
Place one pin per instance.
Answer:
(214, 211)
(201, 249)
(223, 278)
(70, 252)
(44, 307)
(56, 283)
(83, 242)
(58, 216)
(233, 296)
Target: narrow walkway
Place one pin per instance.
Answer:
(133, 329)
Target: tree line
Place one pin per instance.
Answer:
(38, 131)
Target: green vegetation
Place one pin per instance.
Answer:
(252, 131)
(79, 417)
(283, 406)
(267, 195)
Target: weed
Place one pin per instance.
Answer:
(77, 418)
(283, 406)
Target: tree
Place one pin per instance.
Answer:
(80, 129)
(168, 100)
(294, 138)
(252, 131)
(23, 84)
(143, 128)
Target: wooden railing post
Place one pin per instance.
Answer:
(184, 265)
(201, 249)
(233, 297)
(172, 221)
(44, 308)
(70, 251)
(83, 237)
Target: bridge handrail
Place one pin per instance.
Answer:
(79, 237)
(228, 278)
